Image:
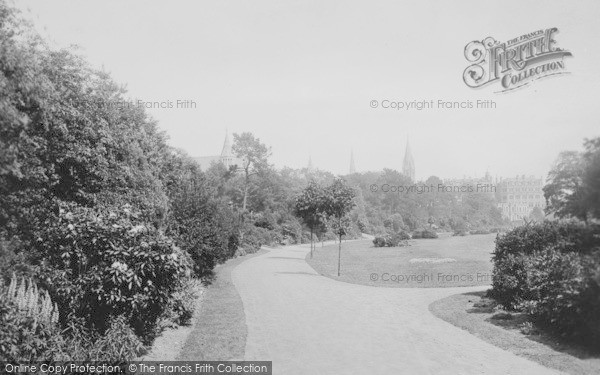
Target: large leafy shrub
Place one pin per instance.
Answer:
(103, 263)
(201, 224)
(510, 277)
(392, 240)
(552, 271)
(565, 292)
(255, 237)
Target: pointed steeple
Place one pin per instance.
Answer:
(352, 166)
(310, 164)
(226, 156)
(226, 146)
(408, 165)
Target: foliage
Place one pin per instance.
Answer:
(199, 223)
(23, 337)
(573, 187)
(254, 155)
(101, 263)
(255, 237)
(29, 300)
(338, 200)
(310, 206)
(392, 240)
(565, 292)
(424, 233)
(183, 303)
(390, 211)
(536, 214)
(78, 343)
(551, 270)
(95, 208)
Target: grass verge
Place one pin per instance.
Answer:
(514, 333)
(362, 263)
(220, 331)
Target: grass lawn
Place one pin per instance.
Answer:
(414, 266)
(510, 331)
(220, 330)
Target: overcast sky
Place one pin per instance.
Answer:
(300, 75)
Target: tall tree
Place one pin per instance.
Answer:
(338, 202)
(563, 186)
(254, 155)
(591, 176)
(573, 184)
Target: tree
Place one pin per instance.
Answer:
(563, 185)
(254, 155)
(573, 184)
(308, 206)
(591, 177)
(338, 201)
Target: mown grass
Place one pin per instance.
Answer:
(362, 263)
(515, 333)
(220, 331)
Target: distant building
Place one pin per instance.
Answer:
(226, 158)
(517, 197)
(408, 165)
(467, 185)
(483, 184)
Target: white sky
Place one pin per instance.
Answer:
(300, 75)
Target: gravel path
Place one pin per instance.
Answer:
(309, 324)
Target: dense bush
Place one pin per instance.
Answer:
(379, 241)
(99, 264)
(255, 237)
(552, 270)
(565, 292)
(77, 342)
(424, 233)
(392, 240)
(510, 279)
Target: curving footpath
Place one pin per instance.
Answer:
(309, 324)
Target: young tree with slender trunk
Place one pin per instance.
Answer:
(338, 202)
(309, 206)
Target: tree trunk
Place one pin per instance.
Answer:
(311, 243)
(339, 254)
(244, 203)
(247, 179)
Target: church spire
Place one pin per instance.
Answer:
(352, 166)
(226, 152)
(310, 164)
(408, 165)
(226, 156)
